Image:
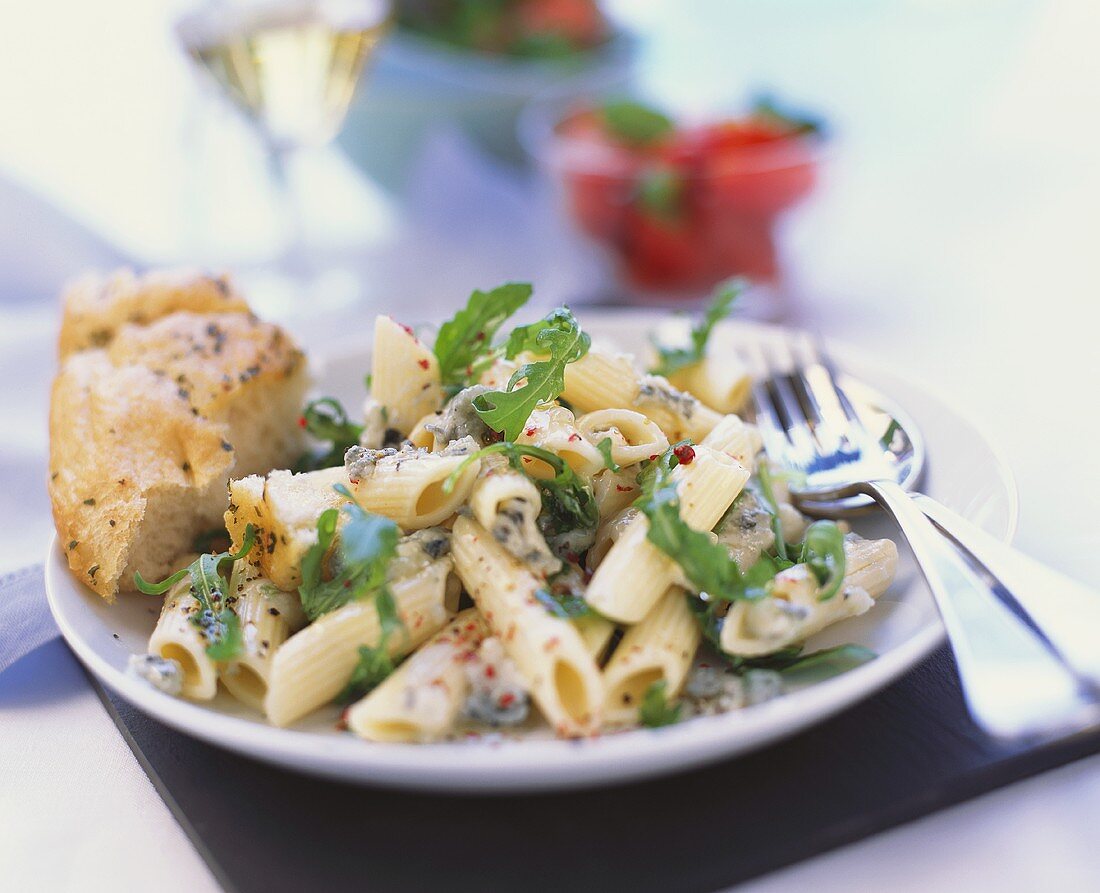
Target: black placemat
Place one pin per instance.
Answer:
(903, 753)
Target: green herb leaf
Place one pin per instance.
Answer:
(767, 493)
(558, 337)
(604, 446)
(635, 123)
(464, 346)
(375, 664)
(659, 192)
(798, 668)
(567, 606)
(327, 420)
(218, 623)
(672, 359)
(366, 546)
(823, 552)
(766, 107)
(655, 710)
(568, 503)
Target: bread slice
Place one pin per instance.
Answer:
(96, 307)
(146, 431)
(284, 509)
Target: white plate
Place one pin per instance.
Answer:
(966, 473)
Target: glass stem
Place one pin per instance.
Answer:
(294, 257)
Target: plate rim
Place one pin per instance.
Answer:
(533, 765)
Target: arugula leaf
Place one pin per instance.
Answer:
(604, 446)
(823, 551)
(568, 503)
(659, 193)
(567, 606)
(655, 710)
(767, 493)
(375, 664)
(559, 337)
(464, 344)
(366, 546)
(821, 665)
(327, 420)
(218, 623)
(672, 359)
(635, 123)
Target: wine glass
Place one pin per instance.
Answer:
(291, 67)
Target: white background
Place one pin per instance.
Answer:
(957, 236)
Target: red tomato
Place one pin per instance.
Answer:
(597, 201)
(579, 21)
(660, 254)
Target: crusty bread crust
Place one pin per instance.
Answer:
(145, 432)
(96, 307)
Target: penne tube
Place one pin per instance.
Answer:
(548, 651)
(597, 633)
(268, 616)
(507, 504)
(737, 439)
(555, 430)
(420, 700)
(635, 573)
(604, 380)
(404, 375)
(176, 638)
(314, 665)
(614, 491)
(793, 612)
(409, 488)
(634, 437)
(720, 382)
(660, 647)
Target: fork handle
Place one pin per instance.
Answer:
(1014, 686)
(1067, 612)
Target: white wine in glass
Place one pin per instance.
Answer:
(291, 66)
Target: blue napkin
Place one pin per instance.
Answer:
(25, 619)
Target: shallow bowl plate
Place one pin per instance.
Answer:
(964, 471)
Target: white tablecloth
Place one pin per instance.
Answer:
(956, 239)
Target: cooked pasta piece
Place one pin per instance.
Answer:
(422, 438)
(720, 381)
(408, 487)
(404, 375)
(422, 698)
(658, 648)
(555, 429)
(597, 633)
(635, 573)
(735, 438)
(177, 638)
(268, 616)
(610, 533)
(313, 666)
(548, 651)
(507, 504)
(792, 612)
(634, 437)
(604, 380)
(614, 491)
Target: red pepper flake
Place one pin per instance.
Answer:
(423, 364)
(469, 370)
(407, 329)
(490, 671)
(623, 489)
(685, 453)
(551, 643)
(347, 584)
(419, 621)
(354, 481)
(470, 627)
(530, 432)
(506, 699)
(653, 457)
(574, 437)
(480, 336)
(342, 722)
(301, 421)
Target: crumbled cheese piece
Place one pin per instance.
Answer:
(162, 673)
(497, 693)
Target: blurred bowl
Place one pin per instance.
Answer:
(677, 221)
(417, 85)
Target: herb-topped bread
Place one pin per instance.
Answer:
(168, 385)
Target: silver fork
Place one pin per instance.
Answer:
(1026, 639)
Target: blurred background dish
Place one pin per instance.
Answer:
(472, 66)
(677, 206)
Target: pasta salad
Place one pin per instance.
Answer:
(520, 534)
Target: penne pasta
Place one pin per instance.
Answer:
(409, 487)
(404, 375)
(635, 573)
(422, 698)
(555, 430)
(176, 638)
(548, 651)
(720, 382)
(634, 437)
(659, 648)
(314, 665)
